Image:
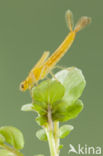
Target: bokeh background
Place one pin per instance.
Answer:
(27, 28)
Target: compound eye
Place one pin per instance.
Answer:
(21, 86)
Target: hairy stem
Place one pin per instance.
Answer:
(10, 149)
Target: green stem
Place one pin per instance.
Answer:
(50, 133)
(56, 135)
(12, 150)
(51, 142)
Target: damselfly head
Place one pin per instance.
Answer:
(24, 85)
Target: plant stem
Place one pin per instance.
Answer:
(10, 149)
(50, 133)
(56, 135)
(50, 123)
(51, 142)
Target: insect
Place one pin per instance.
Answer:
(45, 64)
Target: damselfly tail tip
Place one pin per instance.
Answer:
(82, 23)
(69, 19)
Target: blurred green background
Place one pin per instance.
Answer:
(27, 28)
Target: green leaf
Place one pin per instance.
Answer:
(59, 111)
(37, 106)
(12, 136)
(27, 107)
(41, 135)
(66, 111)
(61, 146)
(48, 92)
(65, 130)
(61, 106)
(41, 120)
(73, 81)
(6, 153)
(40, 107)
(2, 139)
(74, 109)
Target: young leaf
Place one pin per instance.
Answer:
(27, 107)
(6, 153)
(40, 107)
(41, 120)
(37, 106)
(61, 146)
(73, 81)
(2, 139)
(41, 135)
(12, 136)
(48, 92)
(65, 130)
